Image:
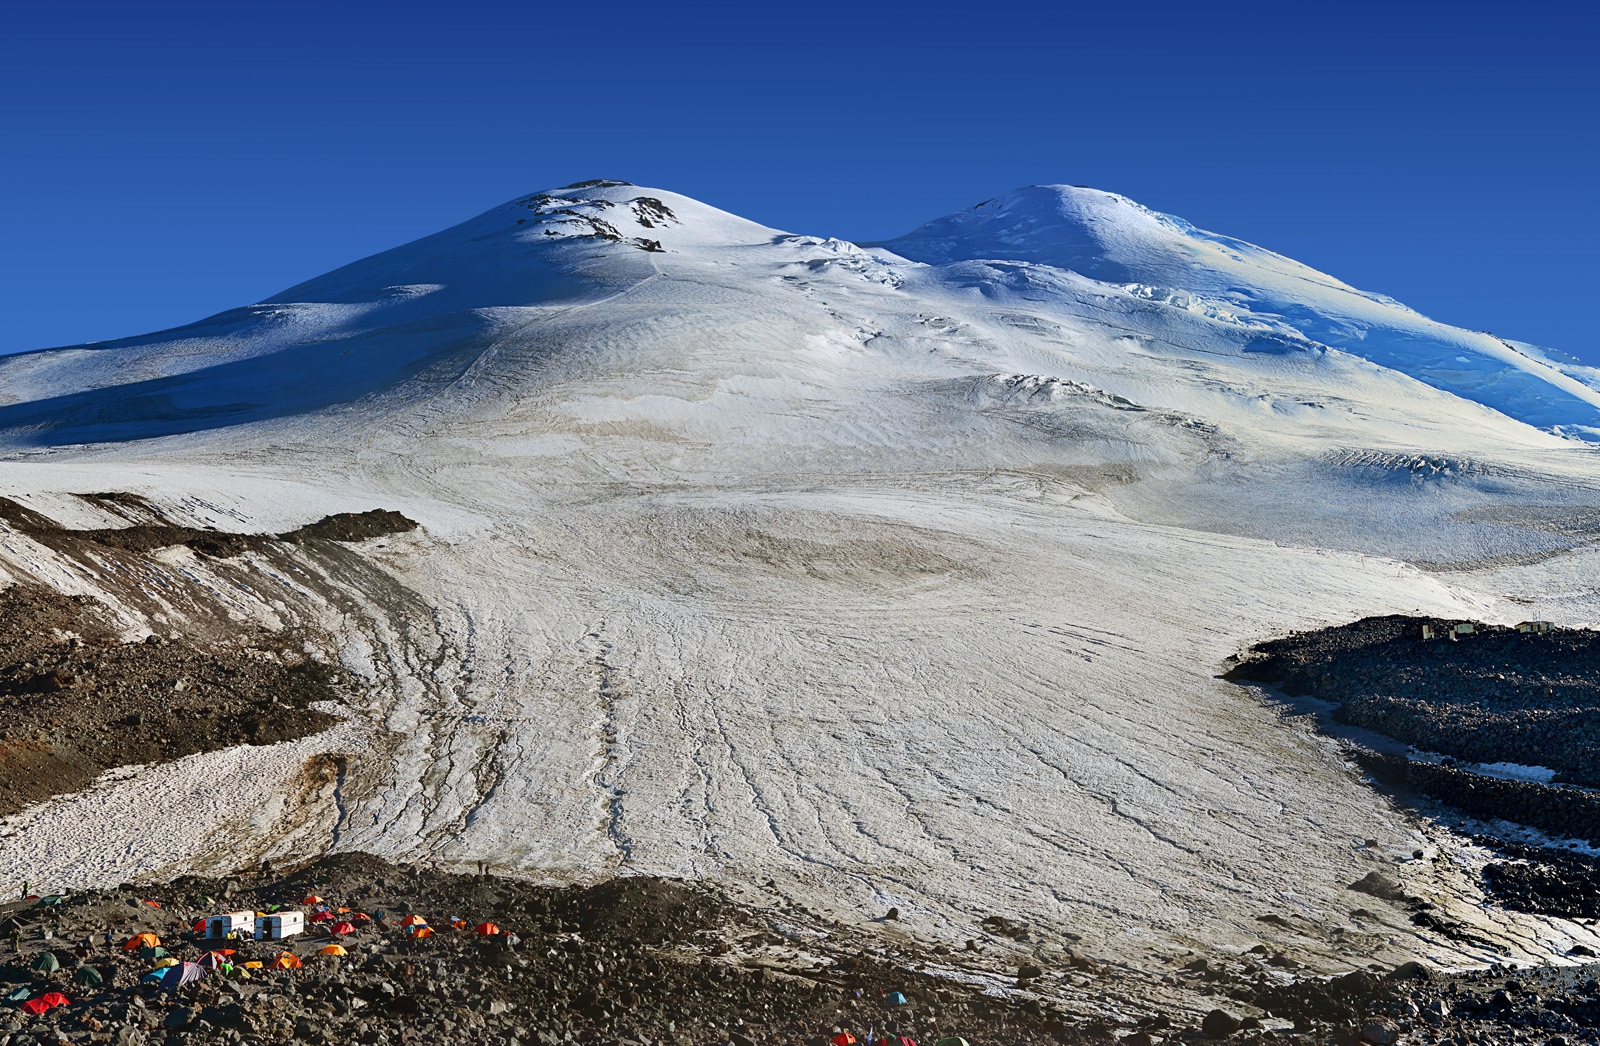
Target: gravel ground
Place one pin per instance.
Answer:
(651, 961)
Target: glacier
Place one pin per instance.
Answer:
(896, 574)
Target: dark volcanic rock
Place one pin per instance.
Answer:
(354, 526)
(1219, 1024)
(1492, 695)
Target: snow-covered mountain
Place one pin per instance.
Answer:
(1283, 305)
(895, 575)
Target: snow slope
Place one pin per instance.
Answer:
(895, 576)
(1111, 238)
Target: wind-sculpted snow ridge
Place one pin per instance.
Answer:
(1158, 257)
(895, 577)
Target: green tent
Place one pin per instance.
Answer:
(88, 976)
(47, 963)
(149, 952)
(951, 1040)
(21, 994)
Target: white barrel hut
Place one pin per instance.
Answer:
(241, 924)
(276, 927)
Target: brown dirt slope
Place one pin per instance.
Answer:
(75, 701)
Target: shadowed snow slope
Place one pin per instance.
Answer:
(898, 576)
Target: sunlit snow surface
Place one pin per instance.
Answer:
(900, 576)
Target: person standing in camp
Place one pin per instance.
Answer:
(16, 941)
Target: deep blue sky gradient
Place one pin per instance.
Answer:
(161, 162)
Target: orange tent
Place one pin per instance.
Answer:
(252, 965)
(413, 920)
(333, 949)
(287, 961)
(143, 940)
(343, 911)
(421, 932)
(311, 898)
(486, 929)
(460, 924)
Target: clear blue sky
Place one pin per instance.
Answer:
(162, 162)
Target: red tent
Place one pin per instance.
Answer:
(486, 929)
(45, 1002)
(321, 917)
(343, 928)
(844, 1038)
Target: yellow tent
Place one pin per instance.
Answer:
(333, 949)
(162, 964)
(287, 961)
(252, 965)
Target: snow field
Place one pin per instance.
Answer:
(895, 578)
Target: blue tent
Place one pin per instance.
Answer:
(181, 974)
(896, 999)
